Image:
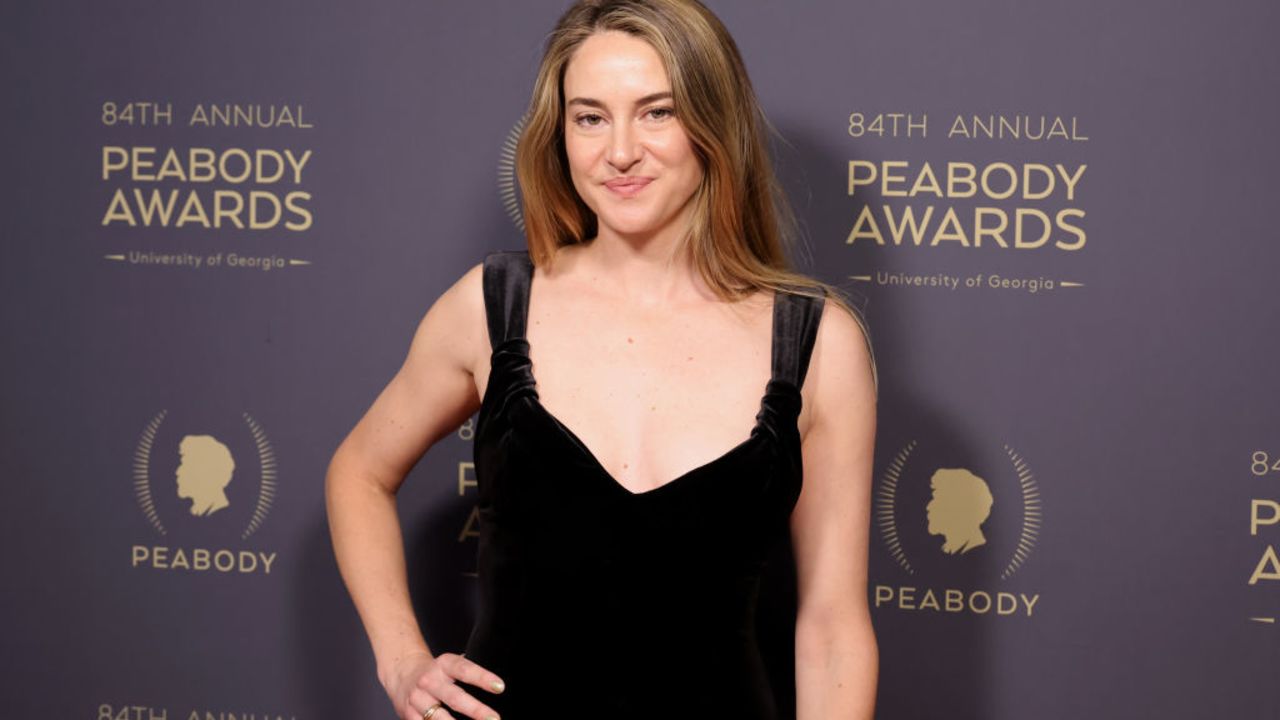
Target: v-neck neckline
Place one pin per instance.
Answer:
(679, 479)
(683, 477)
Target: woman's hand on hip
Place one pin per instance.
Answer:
(419, 681)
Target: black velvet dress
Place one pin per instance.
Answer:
(595, 601)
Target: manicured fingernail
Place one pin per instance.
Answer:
(497, 687)
(492, 717)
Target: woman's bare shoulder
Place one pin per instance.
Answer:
(454, 324)
(842, 364)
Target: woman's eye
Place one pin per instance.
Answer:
(588, 120)
(663, 112)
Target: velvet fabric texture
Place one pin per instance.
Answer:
(597, 601)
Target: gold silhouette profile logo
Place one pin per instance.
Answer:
(961, 502)
(204, 473)
(206, 466)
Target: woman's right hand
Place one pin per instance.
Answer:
(419, 681)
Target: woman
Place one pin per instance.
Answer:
(621, 543)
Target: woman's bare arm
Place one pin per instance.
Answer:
(837, 658)
(429, 397)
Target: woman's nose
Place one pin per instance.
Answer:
(624, 150)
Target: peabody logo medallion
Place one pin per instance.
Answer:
(962, 519)
(206, 480)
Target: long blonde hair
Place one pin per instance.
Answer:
(741, 218)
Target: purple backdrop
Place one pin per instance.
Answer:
(1111, 389)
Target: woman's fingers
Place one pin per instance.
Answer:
(420, 700)
(470, 672)
(465, 703)
(440, 682)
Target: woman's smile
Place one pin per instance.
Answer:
(628, 186)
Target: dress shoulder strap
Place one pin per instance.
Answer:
(508, 274)
(795, 328)
(506, 278)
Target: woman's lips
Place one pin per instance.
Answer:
(628, 187)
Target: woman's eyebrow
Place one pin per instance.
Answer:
(592, 102)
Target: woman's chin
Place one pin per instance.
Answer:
(630, 225)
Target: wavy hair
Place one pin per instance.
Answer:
(741, 220)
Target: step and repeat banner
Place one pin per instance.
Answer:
(223, 222)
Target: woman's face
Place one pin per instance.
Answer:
(630, 159)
